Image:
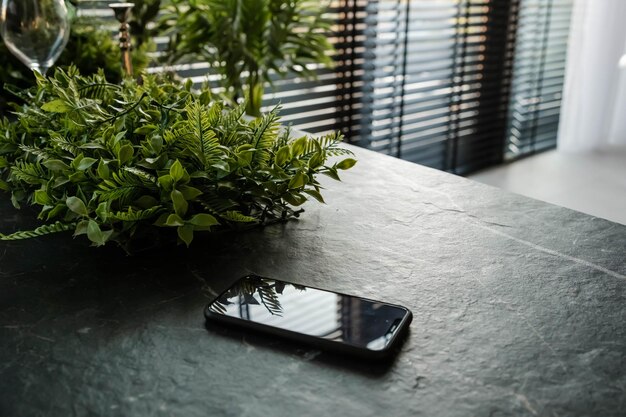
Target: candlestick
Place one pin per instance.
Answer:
(122, 13)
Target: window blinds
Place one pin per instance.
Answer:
(457, 85)
(461, 84)
(538, 69)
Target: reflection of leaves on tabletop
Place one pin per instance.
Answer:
(249, 299)
(270, 299)
(267, 290)
(219, 306)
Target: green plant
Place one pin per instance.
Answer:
(114, 161)
(89, 48)
(144, 12)
(245, 40)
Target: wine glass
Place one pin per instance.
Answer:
(35, 31)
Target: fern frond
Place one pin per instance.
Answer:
(136, 215)
(147, 178)
(60, 142)
(283, 138)
(122, 194)
(214, 115)
(235, 216)
(233, 132)
(97, 91)
(38, 152)
(264, 134)
(125, 186)
(45, 229)
(215, 204)
(196, 136)
(233, 118)
(30, 173)
(172, 136)
(328, 143)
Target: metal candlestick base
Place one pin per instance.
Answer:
(122, 13)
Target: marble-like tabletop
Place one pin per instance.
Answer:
(519, 309)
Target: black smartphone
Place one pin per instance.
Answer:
(321, 318)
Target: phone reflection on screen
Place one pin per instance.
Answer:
(311, 311)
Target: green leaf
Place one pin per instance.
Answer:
(81, 228)
(174, 220)
(223, 167)
(97, 236)
(166, 182)
(283, 155)
(298, 147)
(346, 163)
(332, 173)
(42, 198)
(56, 106)
(316, 195)
(294, 199)
(145, 130)
(298, 180)
(56, 210)
(76, 205)
(102, 211)
(185, 233)
(125, 154)
(180, 204)
(244, 157)
(162, 219)
(55, 165)
(86, 163)
(119, 136)
(203, 220)
(76, 161)
(189, 193)
(178, 173)
(77, 177)
(316, 160)
(146, 201)
(103, 170)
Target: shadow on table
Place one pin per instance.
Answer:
(373, 368)
(57, 276)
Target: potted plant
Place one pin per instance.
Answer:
(114, 162)
(246, 40)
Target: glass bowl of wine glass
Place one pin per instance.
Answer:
(35, 31)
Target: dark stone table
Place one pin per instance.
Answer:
(519, 309)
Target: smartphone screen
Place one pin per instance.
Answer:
(350, 320)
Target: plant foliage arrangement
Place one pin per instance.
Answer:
(118, 162)
(247, 40)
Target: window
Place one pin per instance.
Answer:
(457, 85)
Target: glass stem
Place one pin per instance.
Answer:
(40, 69)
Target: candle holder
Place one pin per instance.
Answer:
(122, 14)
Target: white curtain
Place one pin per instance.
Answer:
(593, 109)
